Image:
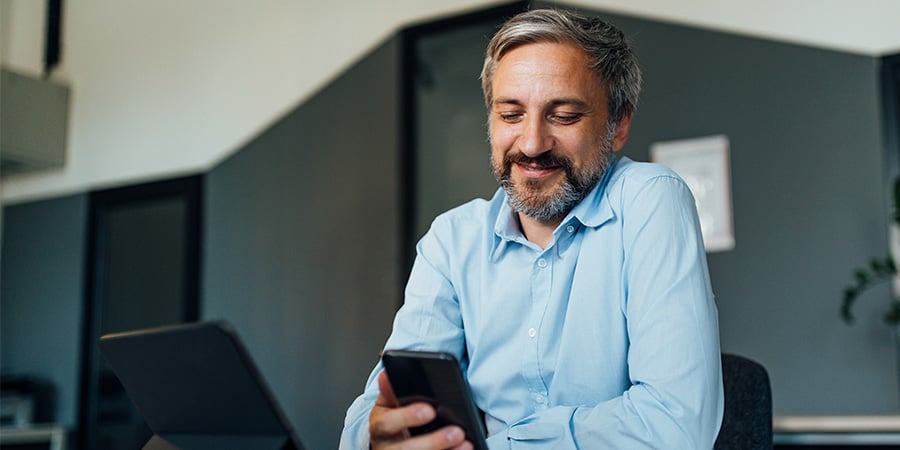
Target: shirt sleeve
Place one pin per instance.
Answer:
(429, 320)
(675, 399)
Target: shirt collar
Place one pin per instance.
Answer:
(594, 210)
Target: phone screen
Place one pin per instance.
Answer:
(435, 378)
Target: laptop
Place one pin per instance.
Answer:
(198, 389)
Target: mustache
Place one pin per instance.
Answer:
(542, 161)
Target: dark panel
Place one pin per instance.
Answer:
(890, 85)
(302, 248)
(41, 285)
(450, 145)
(53, 41)
(444, 149)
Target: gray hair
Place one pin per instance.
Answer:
(611, 58)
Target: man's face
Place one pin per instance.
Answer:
(550, 143)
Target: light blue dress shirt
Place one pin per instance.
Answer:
(608, 338)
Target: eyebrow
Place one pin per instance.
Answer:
(578, 103)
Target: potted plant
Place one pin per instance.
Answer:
(879, 270)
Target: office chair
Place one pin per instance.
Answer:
(747, 421)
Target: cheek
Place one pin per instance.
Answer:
(579, 148)
(497, 155)
(501, 138)
(497, 142)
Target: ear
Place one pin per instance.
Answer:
(622, 129)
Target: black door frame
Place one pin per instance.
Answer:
(890, 95)
(100, 204)
(409, 126)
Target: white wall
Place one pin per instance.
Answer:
(22, 32)
(867, 27)
(165, 87)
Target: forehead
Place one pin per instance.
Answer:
(546, 69)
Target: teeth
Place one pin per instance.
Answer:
(535, 168)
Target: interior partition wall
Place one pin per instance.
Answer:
(41, 300)
(302, 243)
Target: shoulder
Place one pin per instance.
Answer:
(475, 213)
(631, 179)
(458, 234)
(467, 222)
(628, 171)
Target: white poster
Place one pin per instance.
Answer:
(703, 164)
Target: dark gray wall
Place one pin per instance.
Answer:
(41, 289)
(808, 188)
(302, 246)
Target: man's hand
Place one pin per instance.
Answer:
(389, 424)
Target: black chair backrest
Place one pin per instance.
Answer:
(747, 422)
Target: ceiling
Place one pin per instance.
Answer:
(869, 27)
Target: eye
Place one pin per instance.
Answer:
(565, 118)
(510, 117)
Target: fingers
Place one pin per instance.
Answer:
(465, 446)
(386, 392)
(389, 423)
(451, 437)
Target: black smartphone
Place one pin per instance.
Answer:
(435, 378)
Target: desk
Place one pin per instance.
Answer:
(50, 437)
(829, 432)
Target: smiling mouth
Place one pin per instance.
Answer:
(537, 170)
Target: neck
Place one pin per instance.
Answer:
(537, 231)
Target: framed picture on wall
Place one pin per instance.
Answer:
(703, 163)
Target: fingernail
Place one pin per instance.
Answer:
(423, 413)
(454, 434)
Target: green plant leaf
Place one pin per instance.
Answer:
(849, 297)
(877, 266)
(892, 316)
(882, 270)
(896, 200)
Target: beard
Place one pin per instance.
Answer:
(549, 202)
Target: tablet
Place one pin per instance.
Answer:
(198, 389)
(435, 378)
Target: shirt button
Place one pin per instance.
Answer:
(539, 398)
(570, 228)
(532, 332)
(542, 263)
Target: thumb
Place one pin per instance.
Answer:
(386, 392)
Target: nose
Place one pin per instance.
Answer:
(536, 137)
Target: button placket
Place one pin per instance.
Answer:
(540, 290)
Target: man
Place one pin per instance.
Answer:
(577, 299)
